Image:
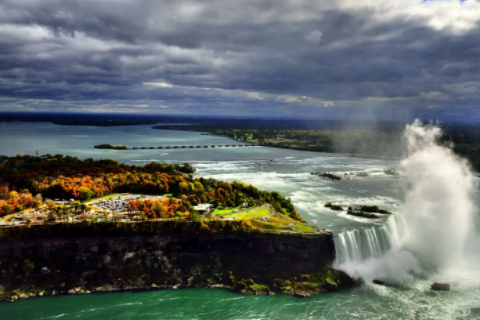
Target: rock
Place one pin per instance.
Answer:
(54, 293)
(23, 296)
(71, 291)
(302, 294)
(271, 293)
(41, 293)
(380, 282)
(78, 289)
(440, 286)
(14, 297)
(330, 286)
(153, 286)
(87, 292)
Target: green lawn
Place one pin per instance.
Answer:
(278, 220)
(255, 214)
(288, 218)
(268, 226)
(304, 228)
(223, 211)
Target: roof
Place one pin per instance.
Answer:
(203, 206)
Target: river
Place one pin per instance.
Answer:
(286, 171)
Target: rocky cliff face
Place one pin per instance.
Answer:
(251, 262)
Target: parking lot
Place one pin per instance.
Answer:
(111, 205)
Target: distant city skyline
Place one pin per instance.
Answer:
(348, 59)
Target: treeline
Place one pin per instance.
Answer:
(67, 177)
(109, 146)
(385, 142)
(13, 201)
(378, 141)
(104, 229)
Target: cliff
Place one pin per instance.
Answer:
(247, 262)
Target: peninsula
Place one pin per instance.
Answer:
(71, 226)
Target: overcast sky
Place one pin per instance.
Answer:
(310, 58)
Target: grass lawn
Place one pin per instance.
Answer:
(108, 196)
(288, 218)
(255, 214)
(304, 228)
(278, 220)
(223, 211)
(268, 226)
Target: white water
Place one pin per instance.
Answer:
(435, 222)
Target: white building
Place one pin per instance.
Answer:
(203, 208)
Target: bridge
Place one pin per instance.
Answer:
(196, 146)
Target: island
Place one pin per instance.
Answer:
(109, 146)
(71, 226)
(363, 211)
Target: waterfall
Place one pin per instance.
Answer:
(361, 244)
(435, 222)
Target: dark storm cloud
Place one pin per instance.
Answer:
(227, 56)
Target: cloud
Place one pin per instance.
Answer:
(314, 36)
(241, 57)
(158, 84)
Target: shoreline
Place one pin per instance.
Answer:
(24, 295)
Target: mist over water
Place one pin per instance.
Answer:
(436, 220)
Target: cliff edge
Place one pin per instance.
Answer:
(258, 263)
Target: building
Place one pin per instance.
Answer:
(203, 208)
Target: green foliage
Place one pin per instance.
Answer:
(259, 287)
(105, 229)
(241, 285)
(255, 214)
(303, 228)
(268, 226)
(69, 177)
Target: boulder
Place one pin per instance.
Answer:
(440, 286)
(330, 286)
(379, 282)
(71, 291)
(302, 294)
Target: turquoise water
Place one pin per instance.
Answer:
(286, 171)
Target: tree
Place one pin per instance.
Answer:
(86, 194)
(6, 209)
(194, 216)
(76, 205)
(157, 209)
